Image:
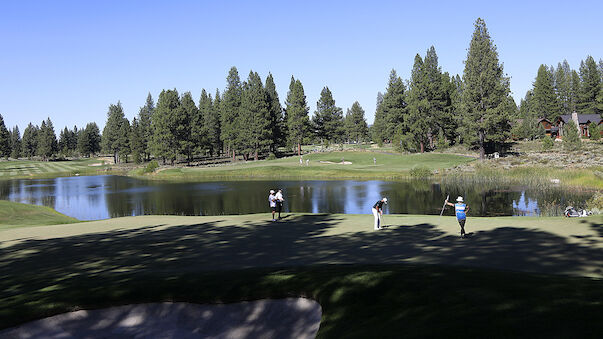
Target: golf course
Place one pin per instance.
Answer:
(512, 277)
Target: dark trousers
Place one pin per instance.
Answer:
(462, 223)
(279, 207)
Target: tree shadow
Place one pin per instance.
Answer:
(37, 267)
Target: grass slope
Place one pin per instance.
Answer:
(15, 169)
(14, 214)
(416, 278)
(388, 166)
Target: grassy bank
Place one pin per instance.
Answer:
(14, 214)
(18, 169)
(328, 165)
(415, 278)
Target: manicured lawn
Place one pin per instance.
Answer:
(416, 278)
(15, 169)
(389, 166)
(14, 214)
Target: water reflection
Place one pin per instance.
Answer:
(100, 197)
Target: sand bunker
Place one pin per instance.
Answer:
(331, 162)
(284, 318)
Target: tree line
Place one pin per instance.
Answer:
(431, 110)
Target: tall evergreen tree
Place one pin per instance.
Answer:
(485, 91)
(356, 126)
(136, 145)
(419, 118)
(164, 141)
(64, 141)
(590, 86)
(89, 140)
(213, 126)
(328, 118)
(112, 140)
(563, 78)
(277, 122)
(200, 132)
(545, 103)
(297, 114)
(186, 113)
(123, 140)
(571, 136)
(230, 109)
(256, 137)
(47, 140)
(30, 141)
(144, 121)
(15, 143)
(389, 116)
(4, 139)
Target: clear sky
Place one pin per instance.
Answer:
(70, 59)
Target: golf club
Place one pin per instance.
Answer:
(444, 206)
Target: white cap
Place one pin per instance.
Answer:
(459, 199)
(384, 200)
(271, 191)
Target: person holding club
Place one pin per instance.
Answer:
(378, 212)
(460, 208)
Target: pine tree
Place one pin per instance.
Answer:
(47, 140)
(571, 136)
(15, 143)
(545, 103)
(357, 129)
(164, 141)
(200, 131)
(123, 140)
(136, 145)
(328, 118)
(595, 132)
(4, 139)
(485, 91)
(277, 122)
(590, 85)
(30, 141)
(563, 76)
(144, 120)
(111, 141)
(230, 110)
(186, 113)
(256, 137)
(89, 140)
(64, 141)
(418, 118)
(297, 114)
(214, 124)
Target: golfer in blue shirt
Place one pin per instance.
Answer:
(460, 209)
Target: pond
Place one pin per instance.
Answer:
(101, 197)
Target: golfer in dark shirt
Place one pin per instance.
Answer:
(378, 212)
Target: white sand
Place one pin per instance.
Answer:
(284, 318)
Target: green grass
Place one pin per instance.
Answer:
(14, 214)
(15, 169)
(389, 166)
(415, 278)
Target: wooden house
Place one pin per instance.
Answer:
(581, 120)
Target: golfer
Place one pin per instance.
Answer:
(378, 212)
(272, 201)
(279, 202)
(461, 213)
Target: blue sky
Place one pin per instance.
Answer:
(70, 59)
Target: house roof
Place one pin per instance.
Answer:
(582, 118)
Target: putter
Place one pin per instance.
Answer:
(448, 196)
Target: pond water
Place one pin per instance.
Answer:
(101, 197)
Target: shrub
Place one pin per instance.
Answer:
(420, 172)
(571, 137)
(595, 204)
(151, 167)
(595, 132)
(271, 156)
(547, 143)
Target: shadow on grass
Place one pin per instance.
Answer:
(195, 263)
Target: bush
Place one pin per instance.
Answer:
(420, 172)
(571, 137)
(547, 143)
(595, 132)
(151, 167)
(595, 204)
(271, 156)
